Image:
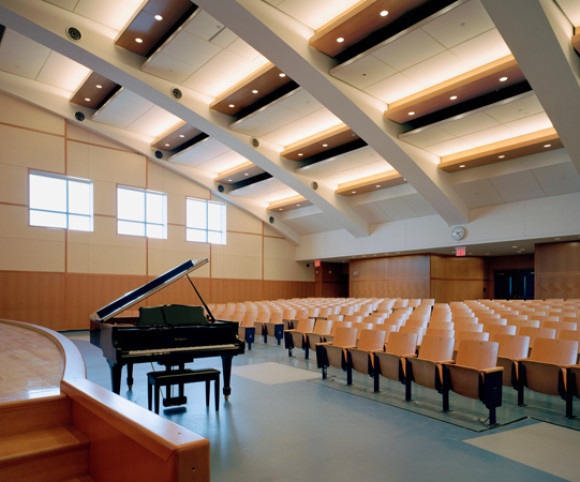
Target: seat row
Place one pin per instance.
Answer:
(477, 370)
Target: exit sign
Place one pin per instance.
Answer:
(460, 251)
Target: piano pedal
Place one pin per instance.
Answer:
(173, 401)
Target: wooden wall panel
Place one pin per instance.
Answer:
(396, 277)
(457, 278)
(557, 271)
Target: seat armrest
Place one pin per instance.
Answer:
(491, 370)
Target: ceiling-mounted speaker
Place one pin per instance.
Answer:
(79, 116)
(255, 142)
(271, 219)
(221, 188)
(176, 93)
(314, 185)
(158, 154)
(73, 33)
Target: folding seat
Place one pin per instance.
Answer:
(519, 324)
(361, 358)
(475, 374)
(472, 327)
(559, 325)
(469, 335)
(545, 370)
(353, 318)
(390, 363)
(334, 353)
(570, 335)
(335, 317)
(512, 349)
(497, 329)
(335, 326)
(426, 369)
(322, 330)
(536, 332)
(439, 332)
(415, 329)
(274, 326)
(296, 338)
(288, 317)
(246, 326)
(572, 388)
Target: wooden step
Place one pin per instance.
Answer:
(56, 453)
(35, 414)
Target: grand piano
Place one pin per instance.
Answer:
(171, 335)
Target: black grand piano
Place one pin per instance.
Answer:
(170, 334)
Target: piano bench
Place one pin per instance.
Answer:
(156, 380)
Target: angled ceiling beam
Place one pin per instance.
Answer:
(284, 42)
(47, 24)
(539, 37)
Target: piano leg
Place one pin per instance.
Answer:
(130, 375)
(227, 372)
(115, 376)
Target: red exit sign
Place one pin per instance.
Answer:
(460, 251)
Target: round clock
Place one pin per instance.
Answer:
(458, 233)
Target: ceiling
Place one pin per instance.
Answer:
(315, 148)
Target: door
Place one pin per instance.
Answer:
(514, 284)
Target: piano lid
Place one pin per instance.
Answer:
(145, 291)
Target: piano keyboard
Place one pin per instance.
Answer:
(166, 351)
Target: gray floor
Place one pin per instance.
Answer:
(282, 424)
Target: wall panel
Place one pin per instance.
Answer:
(457, 278)
(557, 271)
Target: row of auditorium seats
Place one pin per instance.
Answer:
(471, 347)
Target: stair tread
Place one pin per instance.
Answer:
(18, 446)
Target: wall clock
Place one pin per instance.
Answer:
(458, 233)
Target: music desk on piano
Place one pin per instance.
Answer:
(182, 335)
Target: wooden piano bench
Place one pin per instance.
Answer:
(156, 380)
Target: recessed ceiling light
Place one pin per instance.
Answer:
(324, 145)
(254, 91)
(503, 79)
(378, 186)
(353, 192)
(281, 74)
(411, 113)
(167, 144)
(546, 146)
(384, 13)
(300, 154)
(340, 40)
(99, 86)
(246, 174)
(281, 209)
(453, 97)
(139, 40)
(461, 166)
(87, 99)
(231, 106)
(514, 247)
(230, 180)
(182, 135)
(158, 18)
(298, 205)
(501, 156)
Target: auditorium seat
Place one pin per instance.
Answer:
(426, 369)
(570, 335)
(322, 329)
(390, 363)
(475, 374)
(360, 358)
(545, 370)
(535, 332)
(512, 349)
(296, 338)
(334, 353)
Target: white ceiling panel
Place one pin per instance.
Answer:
(435, 69)
(113, 13)
(124, 108)
(478, 194)
(21, 56)
(571, 9)
(167, 67)
(459, 24)
(469, 124)
(223, 162)
(396, 209)
(312, 14)
(203, 25)
(524, 106)
(519, 186)
(419, 206)
(428, 136)
(558, 179)
(408, 50)
(201, 152)
(393, 88)
(484, 48)
(154, 122)
(372, 212)
(59, 71)
(363, 71)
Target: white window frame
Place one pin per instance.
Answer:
(145, 222)
(72, 214)
(208, 224)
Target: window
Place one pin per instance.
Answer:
(206, 221)
(57, 201)
(141, 212)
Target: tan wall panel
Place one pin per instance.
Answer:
(32, 149)
(280, 263)
(240, 258)
(105, 198)
(31, 255)
(13, 111)
(117, 260)
(13, 184)
(78, 257)
(14, 222)
(77, 159)
(77, 132)
(445, 291)
(457, 267)
(176, 209)
(122, 167)
(242, 222)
